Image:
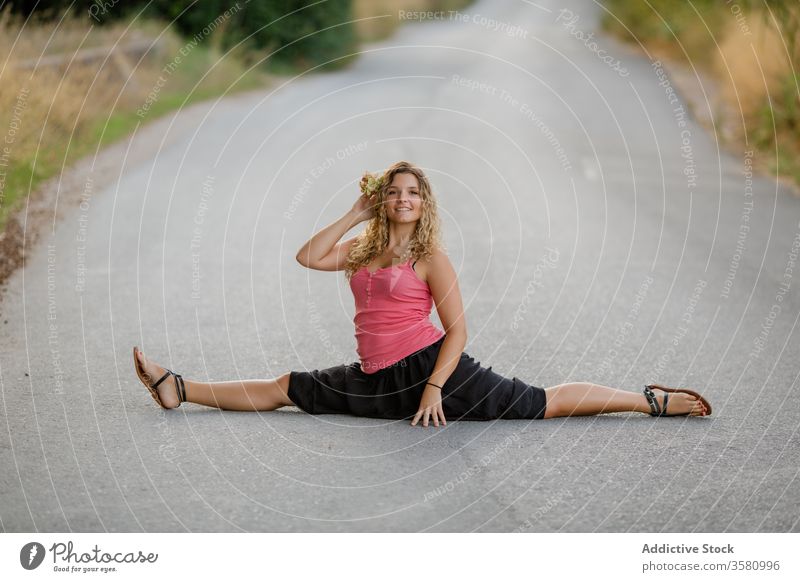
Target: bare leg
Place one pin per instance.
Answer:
(585, 398)
(240, 394)
(230, 395)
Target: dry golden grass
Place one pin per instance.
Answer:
(753, 76)
(747, 73)
(57, 113)
(56, 110)
(63, 101)
(378, 25)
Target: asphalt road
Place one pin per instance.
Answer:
(599, 234)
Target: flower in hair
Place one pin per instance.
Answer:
(372, 183)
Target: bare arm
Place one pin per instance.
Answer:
(321, 252)
(443, 281)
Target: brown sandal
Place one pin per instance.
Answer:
(662, 411)
(179, 386)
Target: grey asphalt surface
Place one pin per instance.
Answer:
(589, 247)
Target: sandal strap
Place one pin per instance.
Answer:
(652, 401)
(164, 377)
(180, 387)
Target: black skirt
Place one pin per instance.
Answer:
(472, 392)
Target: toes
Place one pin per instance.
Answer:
(696, 407)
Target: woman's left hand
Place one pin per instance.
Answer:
(430, 407)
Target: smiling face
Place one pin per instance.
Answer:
(403, 199)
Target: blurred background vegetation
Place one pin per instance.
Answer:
(63, 93)
(750, 48)
(60, 103)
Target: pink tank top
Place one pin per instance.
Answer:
(393, 307)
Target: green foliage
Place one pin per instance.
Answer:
(779, 116)
(789, 115)
(300, 33)
(692, 27)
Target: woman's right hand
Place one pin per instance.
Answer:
(364, 207)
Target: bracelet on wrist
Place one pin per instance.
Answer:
(432, 384)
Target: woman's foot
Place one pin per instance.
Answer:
(167, 390)
(680, 403)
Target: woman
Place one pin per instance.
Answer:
(407, 367)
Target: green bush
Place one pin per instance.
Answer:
(777, 128)
(301, 33)
(295, 30)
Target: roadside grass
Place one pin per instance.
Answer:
(751, 54)
(57, 115)
(382, 16)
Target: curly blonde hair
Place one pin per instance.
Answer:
(374, 239)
